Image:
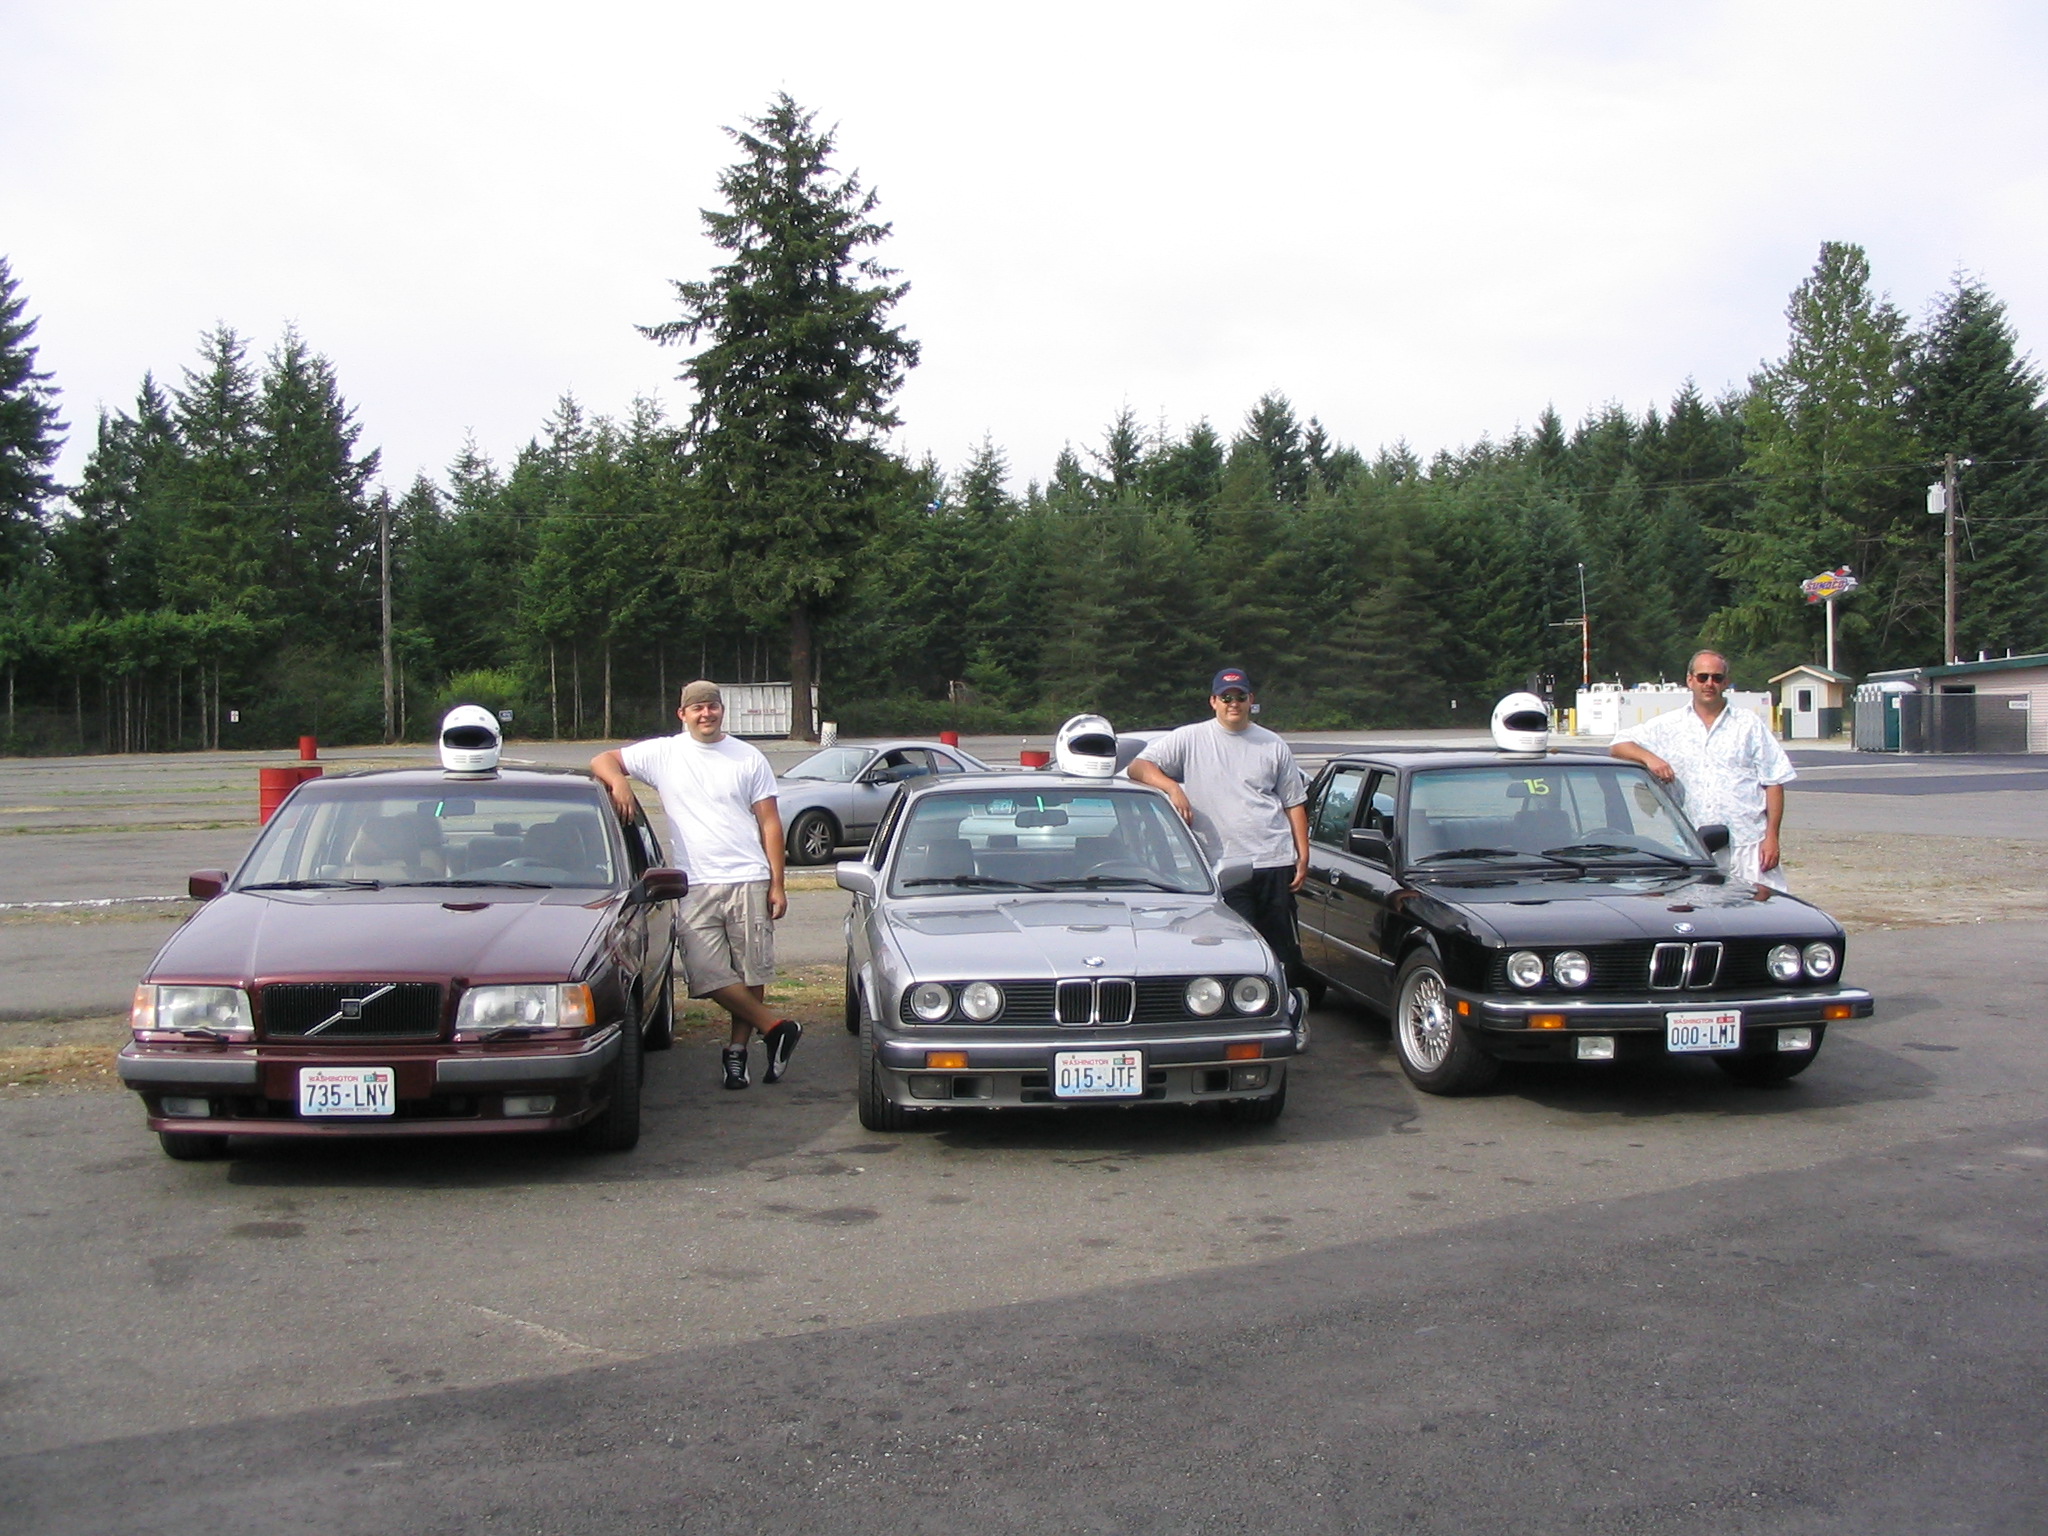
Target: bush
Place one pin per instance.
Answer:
(496, 689)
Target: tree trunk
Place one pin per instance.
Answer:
(607, 688)
(575, 693)
(554, 698)
(803, 726)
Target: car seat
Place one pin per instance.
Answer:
(388, 848)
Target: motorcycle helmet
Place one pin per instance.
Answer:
(470, 740)
(1086, 747)
(1521, 724)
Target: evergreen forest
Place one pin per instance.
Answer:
(217, 575)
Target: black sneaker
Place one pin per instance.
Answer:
(735, 1059)
(779, 1043)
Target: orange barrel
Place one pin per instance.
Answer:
(272, 785)
(1032, 758)
(950, 738)
(309, 748)
(309, 771)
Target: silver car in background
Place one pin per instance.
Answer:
(834, 798)
(1035, 939)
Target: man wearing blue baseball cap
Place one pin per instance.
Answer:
(1238, 788)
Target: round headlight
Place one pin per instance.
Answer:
(1525, 968)
(1205, 996)
(1250, 994)
(930, 1001)
(1571, 968)
(1820, 961)
(1784, 962)
(981, 1000)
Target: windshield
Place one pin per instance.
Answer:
(834, 765)
(1052, 840)
(1592, 812)
(376, 835)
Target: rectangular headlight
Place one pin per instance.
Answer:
(189, 1013)
(523, 1008)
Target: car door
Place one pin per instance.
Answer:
(1332, 803)
(650, 928)
(1359, 889)
(870, 794)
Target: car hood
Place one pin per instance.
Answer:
(252, 937)
(1031, 937)
(1527, 908)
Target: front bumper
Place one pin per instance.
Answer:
(1501, 1025)
(441, 1089)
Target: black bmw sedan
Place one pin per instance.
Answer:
(1555, 907)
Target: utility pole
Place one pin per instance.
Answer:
(384, 598)
(1948, 558)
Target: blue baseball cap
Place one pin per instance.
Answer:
(1229, 677)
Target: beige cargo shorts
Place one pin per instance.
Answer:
(726, 937)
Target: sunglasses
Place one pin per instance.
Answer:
(1710, 677)
(1234, 697)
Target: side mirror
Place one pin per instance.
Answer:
(855, 877)
(1232, 873)
(1370, 844)
(663, 885)
(1715, 836)
(205, 884)
(879, 775)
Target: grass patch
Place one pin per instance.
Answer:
(810, 994)
(25, 1069)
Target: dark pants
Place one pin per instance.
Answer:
(1266, 901)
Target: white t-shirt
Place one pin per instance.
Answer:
(709, 794)
(1721, 772)
(1239, 784)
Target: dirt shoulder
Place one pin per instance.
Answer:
(1906, 880)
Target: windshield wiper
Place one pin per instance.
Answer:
(473, 885)
(1613, 850)
(314, 885)
(1075, 882)
(985, 880)
(1493, 853)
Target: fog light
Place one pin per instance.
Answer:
(1795, 1039)
(945, 1061)
(930, 1087)
(1838, 1011)
(1249, 1051)
(1596, 1047)
(193, 1109)
(1242, 1078)
(520, 1105)
(1546, 1021)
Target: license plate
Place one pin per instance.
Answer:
(1704, 1030)
(1098, 1074)
(347, 1091)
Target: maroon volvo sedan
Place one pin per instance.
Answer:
(413, 953)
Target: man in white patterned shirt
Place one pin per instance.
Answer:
(1725, 766)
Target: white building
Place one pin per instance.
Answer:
(1608, 709)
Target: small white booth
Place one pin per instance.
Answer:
(1810, 702)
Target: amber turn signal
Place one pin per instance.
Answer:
(1837, 1011)
(1546, 1021)
(1464, 1009)
(1245, 1052)
(945, 1061)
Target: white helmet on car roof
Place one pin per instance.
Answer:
(470, 740)
(1521, 724)
(1086, 747)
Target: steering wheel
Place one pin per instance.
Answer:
(1627, 837)
(1122, 868)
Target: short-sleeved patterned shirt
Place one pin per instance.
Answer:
(1721, 772)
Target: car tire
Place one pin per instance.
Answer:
(852, 997)
(878, 1112)
(813, 838)
(192, 1146)
(1257, 1111)
(617, 1126)
(1778, 1068)
(659, 1032)
(1436, 1052)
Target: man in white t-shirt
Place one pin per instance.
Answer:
(1725, 765)
(1238, 788)
(726, 832)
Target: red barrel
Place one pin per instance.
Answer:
(309, 748)
(273, 784)
(950, 738)
(1033, 758)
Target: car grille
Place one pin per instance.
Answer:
(1106, 1001)
(387, 1011)
(1621, 970)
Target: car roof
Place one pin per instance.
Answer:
(441, 778)
(1024, 781)
(1408, 758)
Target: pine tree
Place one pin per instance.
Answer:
(222, 533)
(793, 390)
(31, 436)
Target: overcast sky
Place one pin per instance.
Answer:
(1420, 219)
